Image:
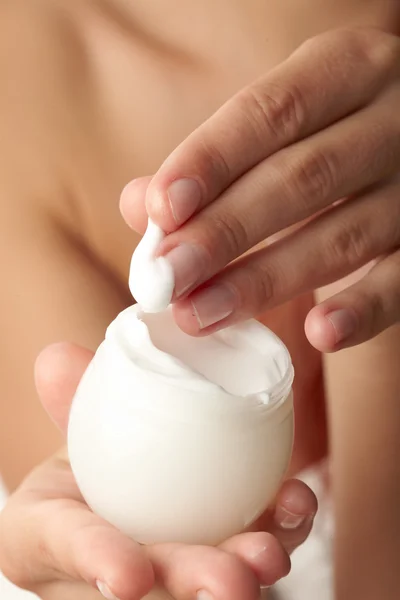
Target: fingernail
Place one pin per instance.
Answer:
(189, 265)
(288, 520)
(105, 590)
(213, 304)
(184, 197)
(203, 595)
(344, 323)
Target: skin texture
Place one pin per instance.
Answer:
(98, 93)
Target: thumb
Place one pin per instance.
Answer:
(58, 370)
(132, 204)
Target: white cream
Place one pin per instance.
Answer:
(151, 278)
(244, 360)
(173, 438)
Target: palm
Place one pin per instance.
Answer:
(78, 549)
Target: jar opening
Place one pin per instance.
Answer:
(244, 360)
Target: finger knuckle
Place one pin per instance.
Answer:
(313, 177)
(215, 157)
(368, 307)
(231, 229)
(369, 46)
(379, 49)
(267, 287)
(388, 269)
(353, 42)
(261, 288)
(361, 45)
(348, 245)
(326, 45)
(376, 300)
(396, 288)
(275, 110)
(373, 324)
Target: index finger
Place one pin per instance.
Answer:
(327, 78)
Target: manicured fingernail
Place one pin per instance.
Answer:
(344, 323)
(213, 304)
(288, 520)
(203, 595)
(105, 591)
(189, 264)
(184, 198)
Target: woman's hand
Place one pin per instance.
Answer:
(322, 127)
(52, 544)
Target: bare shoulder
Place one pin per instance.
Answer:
(40, 43)
(54, 288)
(43, 73)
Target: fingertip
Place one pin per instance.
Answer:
(295, 510)
(132, 204)
(54, 363)
(45, 357)
(263, 553)
(57, 372)
(319, 331)
(113, 563)
(132, 579)
(297, 498)
(272, 563)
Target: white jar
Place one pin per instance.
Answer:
(179, 439)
